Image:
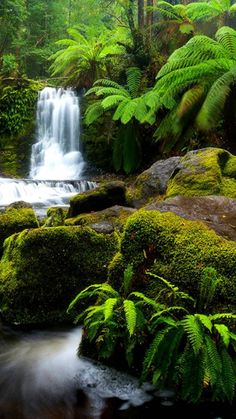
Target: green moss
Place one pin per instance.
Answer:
(177, 249)
(55, 217)
(43, 269)
(209, 171)
(15, 220)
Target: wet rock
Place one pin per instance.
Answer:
(217, 212)
(104, 196)
(104, 221)
(20, 204)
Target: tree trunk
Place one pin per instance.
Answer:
(149, 14)
(140, 14)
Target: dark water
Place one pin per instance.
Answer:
(41, 377)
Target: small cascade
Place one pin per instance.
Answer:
(56, 154)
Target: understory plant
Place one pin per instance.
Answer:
(188, 347)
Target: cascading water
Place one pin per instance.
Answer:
(56, 160)
(56, 154)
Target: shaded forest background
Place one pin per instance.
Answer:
(157, 77)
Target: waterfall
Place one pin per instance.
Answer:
(56, 154)
(56, 160)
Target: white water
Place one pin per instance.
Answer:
(56, 154)
(56, 161)
(41, 373)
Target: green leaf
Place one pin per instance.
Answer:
(130, 315)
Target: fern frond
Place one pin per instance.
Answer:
(201, 11)
(152, 351)
(194, 331)
(228, 375)
(222, 316)
(205, 320)
(146, 300)
(128, 275)
(109, 305)
(224, 333)
(190, 99)
(212, 360)
(130, 315)
(93, 112)
(111, 101)
(134, 76)
(129, 111)
(168, 11)
(119, 110)
(226, 36)
(192, 365)
(213, 106)
(95, 289)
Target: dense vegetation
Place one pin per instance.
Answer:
(158, 79)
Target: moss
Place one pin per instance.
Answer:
(229, 168)
(177, 249)
(43, 269)
(55, 217)
(104, 196)
(14, 220)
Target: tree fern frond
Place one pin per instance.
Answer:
(129, 111)
(226, 36)
(190, 99)
(107, 83)
(93, 112)
(119, 110)
(130, 315)
(168, 11)
(109, 305)
(134, 76)
(111, 101)
(201, 11)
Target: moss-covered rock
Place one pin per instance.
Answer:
(107, 220)
(104, 196)
(43, 269)
(210, 171)
(178, 250)
(14, 220)
(55, 217)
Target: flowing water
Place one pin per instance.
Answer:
(42, 377)
(57, 165)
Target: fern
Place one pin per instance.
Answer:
(224, 333)
(128, 275)
(193, 329)
(130, 315)
(109, 305)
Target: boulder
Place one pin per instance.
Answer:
(104, 196)
(14, 220)
(177, 250)
(209, 171)
(104, 221)
(217, 212)
(43, 269)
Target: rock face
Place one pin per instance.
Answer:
(43, 269)
(105, 196)
(217, 212)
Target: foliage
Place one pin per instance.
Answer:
(192, 352)
(9, 65)
(117, 320)
(127, 105)
(84, 57)
(221, 11)
(194, 88)
(17, 106)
